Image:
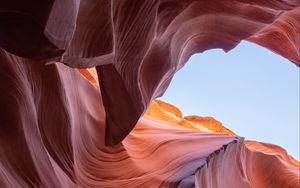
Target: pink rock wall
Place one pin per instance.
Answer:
(55, 125)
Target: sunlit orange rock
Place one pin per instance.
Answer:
(168, 113)
(164, 112)
(90, 75)
(209, 123)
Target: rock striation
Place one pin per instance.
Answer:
(137, 46)
(64, 123)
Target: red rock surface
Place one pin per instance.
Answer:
(137, 45)
(53, 121)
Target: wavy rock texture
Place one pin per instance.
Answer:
(138, 45)
(53, 120)
(52, 136)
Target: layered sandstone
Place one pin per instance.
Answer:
(137, 46)
(65, 124)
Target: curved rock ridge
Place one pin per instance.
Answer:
(210, 123)
(163, 111)
(51, 135)
(138, 45)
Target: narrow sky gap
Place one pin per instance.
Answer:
(251, 90)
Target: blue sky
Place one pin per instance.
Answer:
(251, 90)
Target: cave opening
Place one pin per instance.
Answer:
(251, 90)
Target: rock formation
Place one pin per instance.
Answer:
(65, 124)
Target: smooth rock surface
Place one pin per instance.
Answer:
(61, 127)
(138, 45)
